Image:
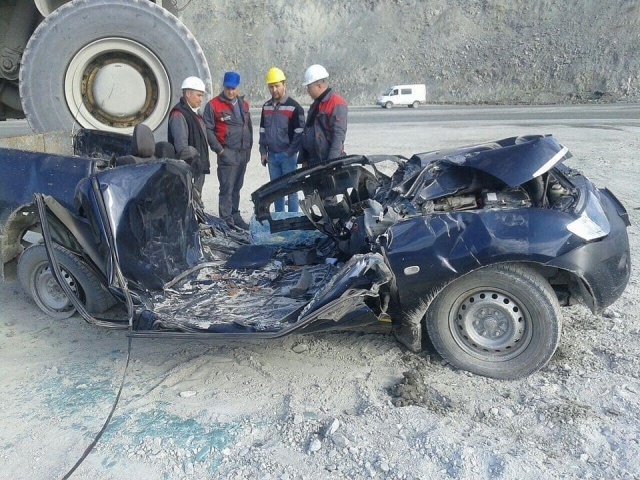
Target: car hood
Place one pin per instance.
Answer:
(514, 160)
(331, 187)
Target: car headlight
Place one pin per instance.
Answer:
(592, 223)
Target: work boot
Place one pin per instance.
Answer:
(230, 223)
(240, 223)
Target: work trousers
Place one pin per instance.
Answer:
(232, 165)
(279, 165)
(198, 183)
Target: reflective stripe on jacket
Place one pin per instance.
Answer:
(281, 127)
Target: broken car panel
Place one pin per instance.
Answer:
(476, 247)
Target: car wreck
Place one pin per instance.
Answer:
(474, 249)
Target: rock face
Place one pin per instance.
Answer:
(465, 51)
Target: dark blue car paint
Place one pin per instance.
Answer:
(152, 217)
(143, 216)
(513, 161)
(25, 173)
(444, 246)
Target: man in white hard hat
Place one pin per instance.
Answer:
(187, 129)
(326, 127)
(281, 125)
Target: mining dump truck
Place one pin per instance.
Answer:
(99, 64)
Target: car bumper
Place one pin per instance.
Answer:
(604, 265)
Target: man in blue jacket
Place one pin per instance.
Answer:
(281, 125)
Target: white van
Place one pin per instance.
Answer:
(410, 95)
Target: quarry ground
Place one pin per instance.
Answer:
(338, 406)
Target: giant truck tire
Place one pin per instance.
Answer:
(107, 65)
(36, 277)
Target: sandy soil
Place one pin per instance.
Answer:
(336, 405)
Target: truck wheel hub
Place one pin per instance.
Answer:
(115, 83)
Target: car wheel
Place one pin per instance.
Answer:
(501, 321)
(38, 281)
(415, 104)
(388, 105)
(106, 65)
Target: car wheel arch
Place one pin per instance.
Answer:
(21, 220)
(566, 283)
(523, 342)
(37, 279)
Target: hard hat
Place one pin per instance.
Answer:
(231, 80)
(193, 83)
(274, 75)
(314, 73)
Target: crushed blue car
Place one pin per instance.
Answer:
(473, 249)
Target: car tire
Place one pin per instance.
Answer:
(388, 105)
(415, 104)
(87, 49)
(36, 277)
(501, 321)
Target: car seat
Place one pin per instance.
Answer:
(165, 150)
(143, 147)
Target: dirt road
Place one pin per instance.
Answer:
(331, 406)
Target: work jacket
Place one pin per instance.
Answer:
(186, 129)
(281, 127)
(226, 129)
(325, 129)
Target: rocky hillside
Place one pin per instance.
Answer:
(465, 51)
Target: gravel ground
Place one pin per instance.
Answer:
(337, 406)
